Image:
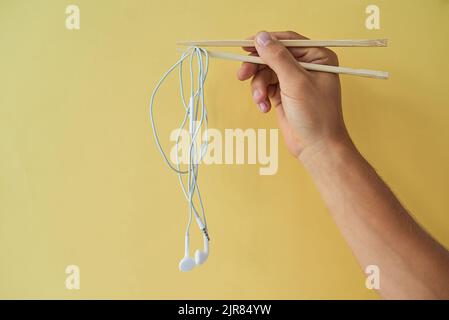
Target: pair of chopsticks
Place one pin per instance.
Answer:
(297, 43)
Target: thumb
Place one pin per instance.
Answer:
(278, 58)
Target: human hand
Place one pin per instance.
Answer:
(307, 104)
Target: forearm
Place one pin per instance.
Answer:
(375, 225)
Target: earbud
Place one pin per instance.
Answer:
(201, 256)
(186, 263)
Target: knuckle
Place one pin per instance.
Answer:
(279, 52)
(292, 34)
(337, 62)
(329, 57)
(333, 58)
(256, 81)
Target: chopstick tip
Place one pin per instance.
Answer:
(382, 42)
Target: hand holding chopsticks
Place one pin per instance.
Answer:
(289, 43)
(297, 43)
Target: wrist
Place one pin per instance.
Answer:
(326, 149)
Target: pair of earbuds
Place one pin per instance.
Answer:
(194, 111)
(187, 263)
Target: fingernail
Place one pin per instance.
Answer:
(263, 38)
(256, 95)
(263, 107)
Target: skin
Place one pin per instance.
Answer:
(378, 229)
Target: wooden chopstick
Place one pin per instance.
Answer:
(308, 66)
(289, 43)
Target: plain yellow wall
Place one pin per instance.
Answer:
(81, 181)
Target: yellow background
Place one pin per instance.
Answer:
(81, 181)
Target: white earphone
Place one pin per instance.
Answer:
(196, 113)
(187, 263)
(201, 256)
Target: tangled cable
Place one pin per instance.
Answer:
(196, 114)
